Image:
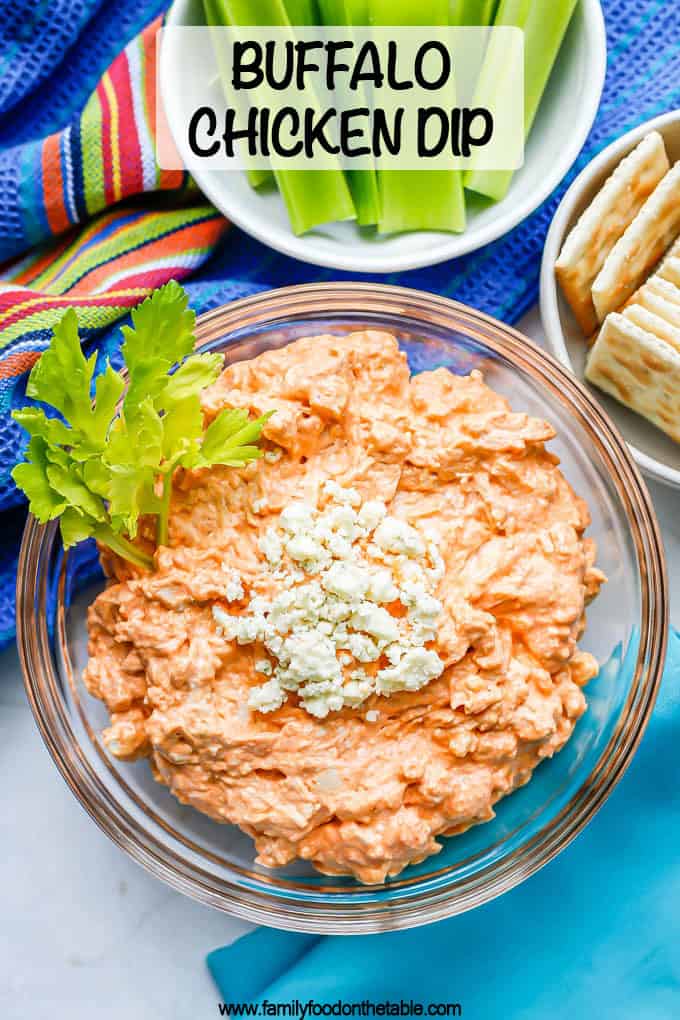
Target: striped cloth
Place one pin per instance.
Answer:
(101, 271)
(52, 178)
(103, 157)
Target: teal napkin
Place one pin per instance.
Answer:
(595, 935)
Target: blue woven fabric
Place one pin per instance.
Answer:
(643, 79)
(33, 39)
(78, 40)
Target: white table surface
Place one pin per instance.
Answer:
(84, 932)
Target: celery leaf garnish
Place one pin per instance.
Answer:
(103, 464)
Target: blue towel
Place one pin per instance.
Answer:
(595, 934)
(53, 54)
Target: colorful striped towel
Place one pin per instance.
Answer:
(102, 158)
(65, 157)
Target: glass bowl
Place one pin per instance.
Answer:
(626, 632)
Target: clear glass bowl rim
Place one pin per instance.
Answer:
(342, 299)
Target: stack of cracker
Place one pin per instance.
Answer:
(604, 270)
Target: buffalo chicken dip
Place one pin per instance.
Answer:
(364, 639)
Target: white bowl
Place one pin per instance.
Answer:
(571, 98)
(656, 454)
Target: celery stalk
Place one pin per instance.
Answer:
(302, 12)
(357, 11)
(363, 184)
(417, 199)
(544, 27)
(472, 12)
(256, 177)
(312, 197)
(544, 31)
(333, 12)
(344, 12)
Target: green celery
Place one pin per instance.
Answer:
(417, 199)
(302, 12)
(363, 184)
(544, 26)
(99, 466)
(333, 12)
(312, 197)
(344, 12)
(256, 177)
(472, 12)
(358, 11)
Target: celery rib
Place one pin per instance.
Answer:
(544, 26)
(472, 12)
(312, 197)
(363, 184)
(123, 547)
(302, 12)
(417, 199)
(256, 177)
(334, 12)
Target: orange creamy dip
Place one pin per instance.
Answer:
(357, 793)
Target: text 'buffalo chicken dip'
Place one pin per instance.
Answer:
(366, 638)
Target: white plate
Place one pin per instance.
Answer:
(656, 454)
(571, 99)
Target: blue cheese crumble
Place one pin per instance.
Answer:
(328, 634)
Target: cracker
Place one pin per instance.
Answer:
(662, 326)
(656, 293)
(639, 370)
(670, 270)
(645, 240)
(674, 250)
(604, 221)
(657, 287)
